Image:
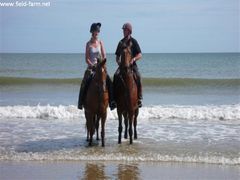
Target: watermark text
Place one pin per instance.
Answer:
(25, 4)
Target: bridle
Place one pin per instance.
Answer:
(100, 69)
(124, 65)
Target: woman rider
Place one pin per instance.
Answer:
(94, 50)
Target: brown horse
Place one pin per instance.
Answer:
(96, 103)
(125, 94)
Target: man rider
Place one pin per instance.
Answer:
(136, 55)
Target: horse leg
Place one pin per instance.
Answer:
(126, 125)
(131, 118)
(87, 136)
(119, 126)
(135, 124)
(87, 120)
(103, 119)
(97, 127)
(92, 129)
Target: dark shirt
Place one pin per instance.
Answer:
(124, 43)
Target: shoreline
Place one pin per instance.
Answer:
(115, 169)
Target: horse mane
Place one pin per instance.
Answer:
(126, 56)
(100, 64)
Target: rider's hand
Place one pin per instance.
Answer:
(132, 61)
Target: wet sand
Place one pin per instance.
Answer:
(114, 170)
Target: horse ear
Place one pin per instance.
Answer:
(103, 61)
(98, 60)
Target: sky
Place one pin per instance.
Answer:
(160, 26)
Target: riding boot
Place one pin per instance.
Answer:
(84, 87)
(140, 93)
(81, 95)
(112, 103)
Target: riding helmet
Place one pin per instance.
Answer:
(95, 27)
(127, 26)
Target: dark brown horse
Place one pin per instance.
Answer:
(96, 103)
(125, 93)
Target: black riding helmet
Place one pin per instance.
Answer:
(95, 27)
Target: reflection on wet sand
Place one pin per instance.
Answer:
(128, 171)
(94, 171)
(98, 171)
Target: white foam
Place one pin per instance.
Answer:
(223, 112)
(210, 112)
(41, 112)
(190, 140)
(146, 157)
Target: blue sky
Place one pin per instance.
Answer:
(161, 26)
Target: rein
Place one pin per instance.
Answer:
(101, 86)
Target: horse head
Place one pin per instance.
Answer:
(126, 57)
(101, 72)
(100, 67)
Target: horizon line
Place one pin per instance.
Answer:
(114, 53)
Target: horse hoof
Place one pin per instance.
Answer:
(90, 144)
(125, 136)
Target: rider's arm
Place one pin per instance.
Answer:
(137, 57)
(103, 52)
(137, 51)
(87, 56)
(117, 53)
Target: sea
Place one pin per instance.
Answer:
(190, 113)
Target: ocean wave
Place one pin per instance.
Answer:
(159, 82)
(208, 112)
(75, 155)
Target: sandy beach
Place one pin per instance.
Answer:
(114, 170)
